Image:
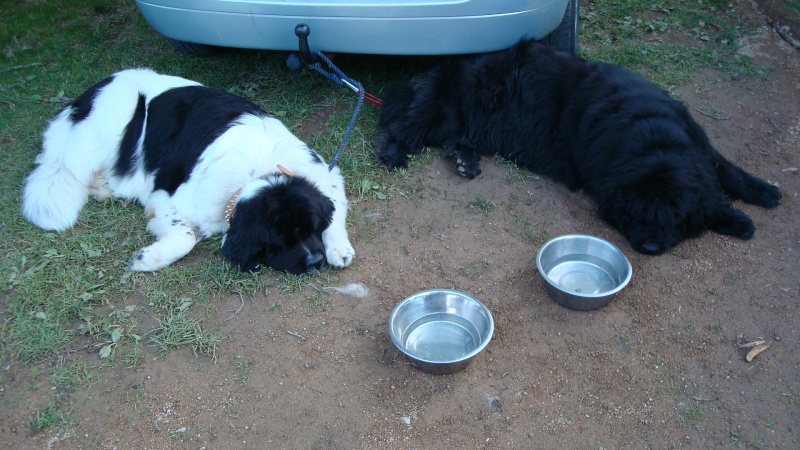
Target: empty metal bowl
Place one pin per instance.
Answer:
(582, 272)
(440, 330)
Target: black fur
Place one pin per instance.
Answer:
(126, 161)
(82, 106)
(593, 126)
(181, 123)
(280, 227)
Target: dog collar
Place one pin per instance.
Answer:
(285, 170)
(231, 205)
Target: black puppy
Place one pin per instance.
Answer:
(593, 126)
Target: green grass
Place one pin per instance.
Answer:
(76, 374)
(692, 413)
(530, 233)
(65, 295)
(177, 329)
(667, 41)
(482, 205)
(54, 415)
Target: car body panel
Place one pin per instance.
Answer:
(388, 27)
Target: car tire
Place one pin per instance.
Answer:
(193, 49)
(565, 37)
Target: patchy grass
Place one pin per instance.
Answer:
(692, 413)
(177, 330)
(76, 374)
(530, 233)
(54, 415)
(667, 41)
(482, 205)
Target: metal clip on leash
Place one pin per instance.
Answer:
(313, 59)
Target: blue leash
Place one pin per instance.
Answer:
(338, 77)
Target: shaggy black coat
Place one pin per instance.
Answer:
(593, 126)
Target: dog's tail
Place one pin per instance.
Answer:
(53, 197)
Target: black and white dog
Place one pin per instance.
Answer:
(201, 162)
(593, 126)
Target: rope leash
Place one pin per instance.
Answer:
(312, 59)
(338, 77)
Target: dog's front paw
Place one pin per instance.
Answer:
(338, 252)
(468, 169)
(393, 160)
(148, 259)
(734, 223)
(765, 195)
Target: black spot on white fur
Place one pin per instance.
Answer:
(315, 157)
(181, 124)
(82, 106)
(126, 161)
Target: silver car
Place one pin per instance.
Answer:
(387, 27)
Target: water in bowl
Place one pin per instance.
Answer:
(441, 337)
(584, 274)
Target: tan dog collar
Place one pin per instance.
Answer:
(285, 170)
(231, 205)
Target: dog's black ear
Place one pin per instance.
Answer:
(325, 212)
(246, 243)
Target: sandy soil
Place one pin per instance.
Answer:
(659, 367)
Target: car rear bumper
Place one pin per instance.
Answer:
(376, 26)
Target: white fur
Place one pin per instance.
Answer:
(78, 160)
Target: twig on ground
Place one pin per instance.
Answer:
(237, 311)
(752, 344)
(75, 350)
(444, 273)
(784, 34)
(713, 116)
(705, 399)
(8, 69)
(774, 125)
(292, 333)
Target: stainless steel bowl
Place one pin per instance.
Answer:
(440, 330)
(582, 272)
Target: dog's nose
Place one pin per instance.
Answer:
(314, 262)
(652, 248)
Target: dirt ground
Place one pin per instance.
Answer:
(659, 367)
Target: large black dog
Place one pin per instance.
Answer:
(593, 126)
